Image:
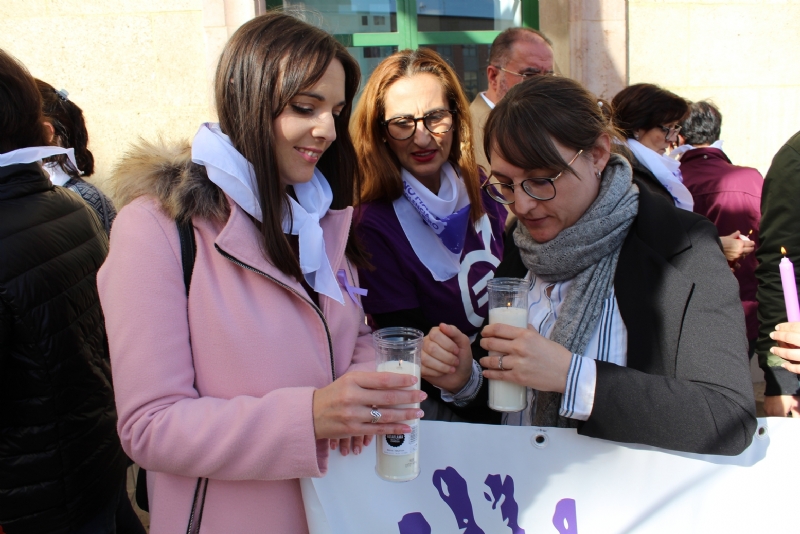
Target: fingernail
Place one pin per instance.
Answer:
(424, 396)
(772, 335)
(345, 452)
(333, 445)
(420, 413)
(777, 327)
(356, 450)
(772, 350)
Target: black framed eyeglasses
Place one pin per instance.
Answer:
(527, 73)
(669, 130)
(437, 122)
(536, 188)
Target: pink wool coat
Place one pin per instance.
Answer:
(225, 390)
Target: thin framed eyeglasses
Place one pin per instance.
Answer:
(437, 122)
(536, 188)
(670, 130)
(529, 73)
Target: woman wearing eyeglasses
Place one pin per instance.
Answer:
(635, 330)
(649, 117)
(434, 238)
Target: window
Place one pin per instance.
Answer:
(460, 30)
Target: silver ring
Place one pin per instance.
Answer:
(376, 415)
(500, 364)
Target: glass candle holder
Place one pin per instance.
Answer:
(398, 351)
(508, 304)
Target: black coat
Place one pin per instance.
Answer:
(687, 384)
(60, 457)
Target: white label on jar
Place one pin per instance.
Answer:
(401, 444)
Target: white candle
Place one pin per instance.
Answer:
(507, 396)
(397, 455)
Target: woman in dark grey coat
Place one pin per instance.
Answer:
(635, 330)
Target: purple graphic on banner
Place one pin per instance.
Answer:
(452, 230)
(456, 495)
(565, 519)
(414, 523)
(509, 508)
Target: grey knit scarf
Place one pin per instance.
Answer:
(586, 253)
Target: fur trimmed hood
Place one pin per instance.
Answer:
(166, 172)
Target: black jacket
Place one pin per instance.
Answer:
(687, 383)
(645, 177)
(60, 457)
(780, 227)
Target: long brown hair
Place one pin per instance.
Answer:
(379, 166)
(523, 125)
(264, 65)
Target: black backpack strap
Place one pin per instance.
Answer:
(188, 250)
(188, 253)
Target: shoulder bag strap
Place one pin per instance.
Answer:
(188, 254)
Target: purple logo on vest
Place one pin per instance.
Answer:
(452, 230)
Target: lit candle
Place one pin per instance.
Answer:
(508, 396)
(789, 288)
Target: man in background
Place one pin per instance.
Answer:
(729, 195)
(516, 54)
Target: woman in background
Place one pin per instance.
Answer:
(69, 131)
(649, 118)
(433, 237)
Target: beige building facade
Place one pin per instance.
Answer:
(144, 68)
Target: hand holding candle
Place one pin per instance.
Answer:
(397, 350)
(789, 288)
(508, 304)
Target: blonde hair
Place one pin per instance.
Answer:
(378, 165)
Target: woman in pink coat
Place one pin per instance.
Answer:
(231, 395)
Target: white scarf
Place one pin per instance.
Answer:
(666, 170)
(231, 171)
(35, 153)
(681, 150)
(57, 174)
(442, 263)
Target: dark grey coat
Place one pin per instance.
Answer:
(687, 384)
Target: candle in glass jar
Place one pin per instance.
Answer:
(398, 454)
(789, 288)
(507, 396)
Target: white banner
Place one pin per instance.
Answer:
(479, 479)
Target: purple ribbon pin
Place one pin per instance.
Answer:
(351, 290)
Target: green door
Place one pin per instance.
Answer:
(459, 30)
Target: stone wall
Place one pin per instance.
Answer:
(742, 54)
(137, 68)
